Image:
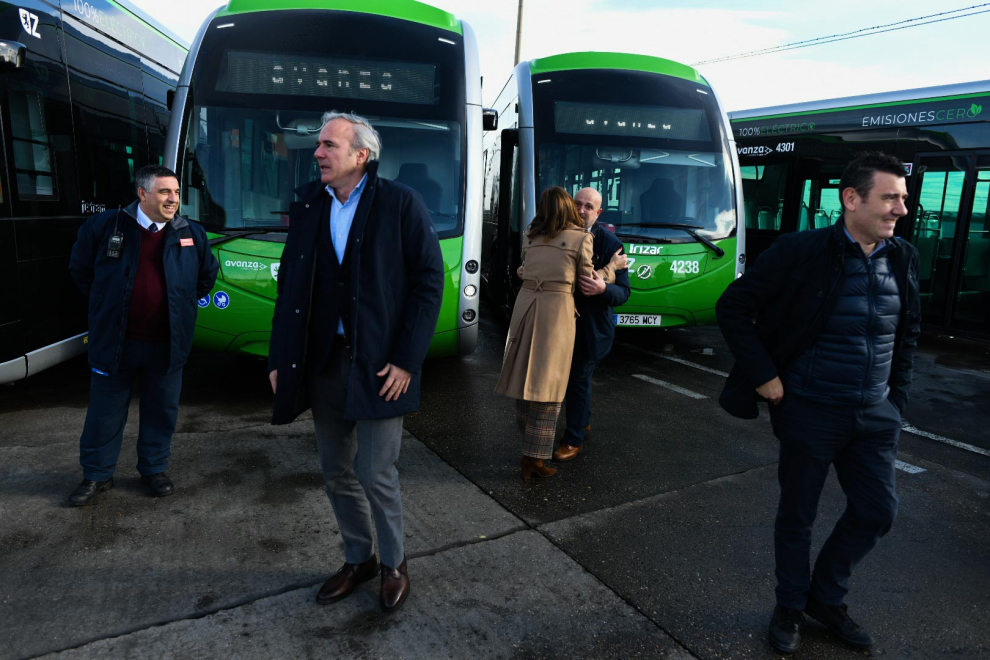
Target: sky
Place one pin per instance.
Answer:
(690, 31)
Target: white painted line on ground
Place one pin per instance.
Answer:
(678, 360)
(955, 443)
(907, 427)
(670, 386)
(907, 467)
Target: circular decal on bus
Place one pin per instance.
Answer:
(221, 300)
(204, 301)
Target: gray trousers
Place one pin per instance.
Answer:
(358, 462)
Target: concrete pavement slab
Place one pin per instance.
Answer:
(249, 519)
(513, 597)
(699, 562)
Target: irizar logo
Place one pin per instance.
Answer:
(30, 22)
(247, 265)
(645, 249)
(644, 272)
(275, 266)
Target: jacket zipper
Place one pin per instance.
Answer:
(871, 329)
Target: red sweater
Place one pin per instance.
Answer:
(147, 318)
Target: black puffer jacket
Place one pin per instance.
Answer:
(793, 289)
(851, 361)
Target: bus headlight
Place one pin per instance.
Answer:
(470, 290)
(468, 315)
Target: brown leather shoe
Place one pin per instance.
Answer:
(567, 452)
(531, 466)
(346, 580)
(395, 587)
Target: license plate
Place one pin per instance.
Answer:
(637, 319)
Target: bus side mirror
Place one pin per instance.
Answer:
(170, 99)
(489, 119)
(12, 55)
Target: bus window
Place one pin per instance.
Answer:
(937, 214)
(109, 115)
(973, 297)
(820, 203)
(763, 192)
(33, 162)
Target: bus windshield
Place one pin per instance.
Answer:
(640, 187)
(244, 165)
(260, 87)
(652, 145)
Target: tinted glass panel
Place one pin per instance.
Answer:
(972, 309)
(763, 192)
(675, 175)
(241, 166)
(251, 133)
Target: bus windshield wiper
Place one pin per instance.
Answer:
(719, 252)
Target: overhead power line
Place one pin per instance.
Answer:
(862, 32)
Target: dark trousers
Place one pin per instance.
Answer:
(862, 444)
(358, 460)
(577, 405)
(145, 365)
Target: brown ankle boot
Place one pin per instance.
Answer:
(531, 466)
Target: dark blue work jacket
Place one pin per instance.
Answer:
(792, 289)
(596, 323)
(392, 272)
(107, 282)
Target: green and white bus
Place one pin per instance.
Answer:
(247, 113)
(650, 135)
(792, 157)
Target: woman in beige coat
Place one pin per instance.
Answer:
(538, 350)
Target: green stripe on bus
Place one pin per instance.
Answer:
(406, 10)
(627, 61)
(892, 104)
(184, 49)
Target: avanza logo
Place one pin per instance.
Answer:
(247, 265)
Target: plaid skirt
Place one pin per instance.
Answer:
(537, 422)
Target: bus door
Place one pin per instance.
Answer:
(950, 231)
(764, 185)
(39, 191)
(10, 341)
(504, 253)
(818, 190)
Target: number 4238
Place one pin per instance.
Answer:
(685, 267)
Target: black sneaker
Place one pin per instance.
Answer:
(836, 618)
(784, 633)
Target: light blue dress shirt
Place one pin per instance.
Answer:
(341, 219)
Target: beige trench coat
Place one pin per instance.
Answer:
(538, 350)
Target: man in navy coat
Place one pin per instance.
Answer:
(359, 292)
(595, 325)
(141, 269)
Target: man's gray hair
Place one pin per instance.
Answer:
(145, 177)
(365, 137)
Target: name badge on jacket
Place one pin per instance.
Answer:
(186, 242)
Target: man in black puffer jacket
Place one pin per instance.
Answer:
(837, 323)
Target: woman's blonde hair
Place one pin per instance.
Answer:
(555, 213)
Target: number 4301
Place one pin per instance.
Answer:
(685, 267)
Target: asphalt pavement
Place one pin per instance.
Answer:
(655, 542)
